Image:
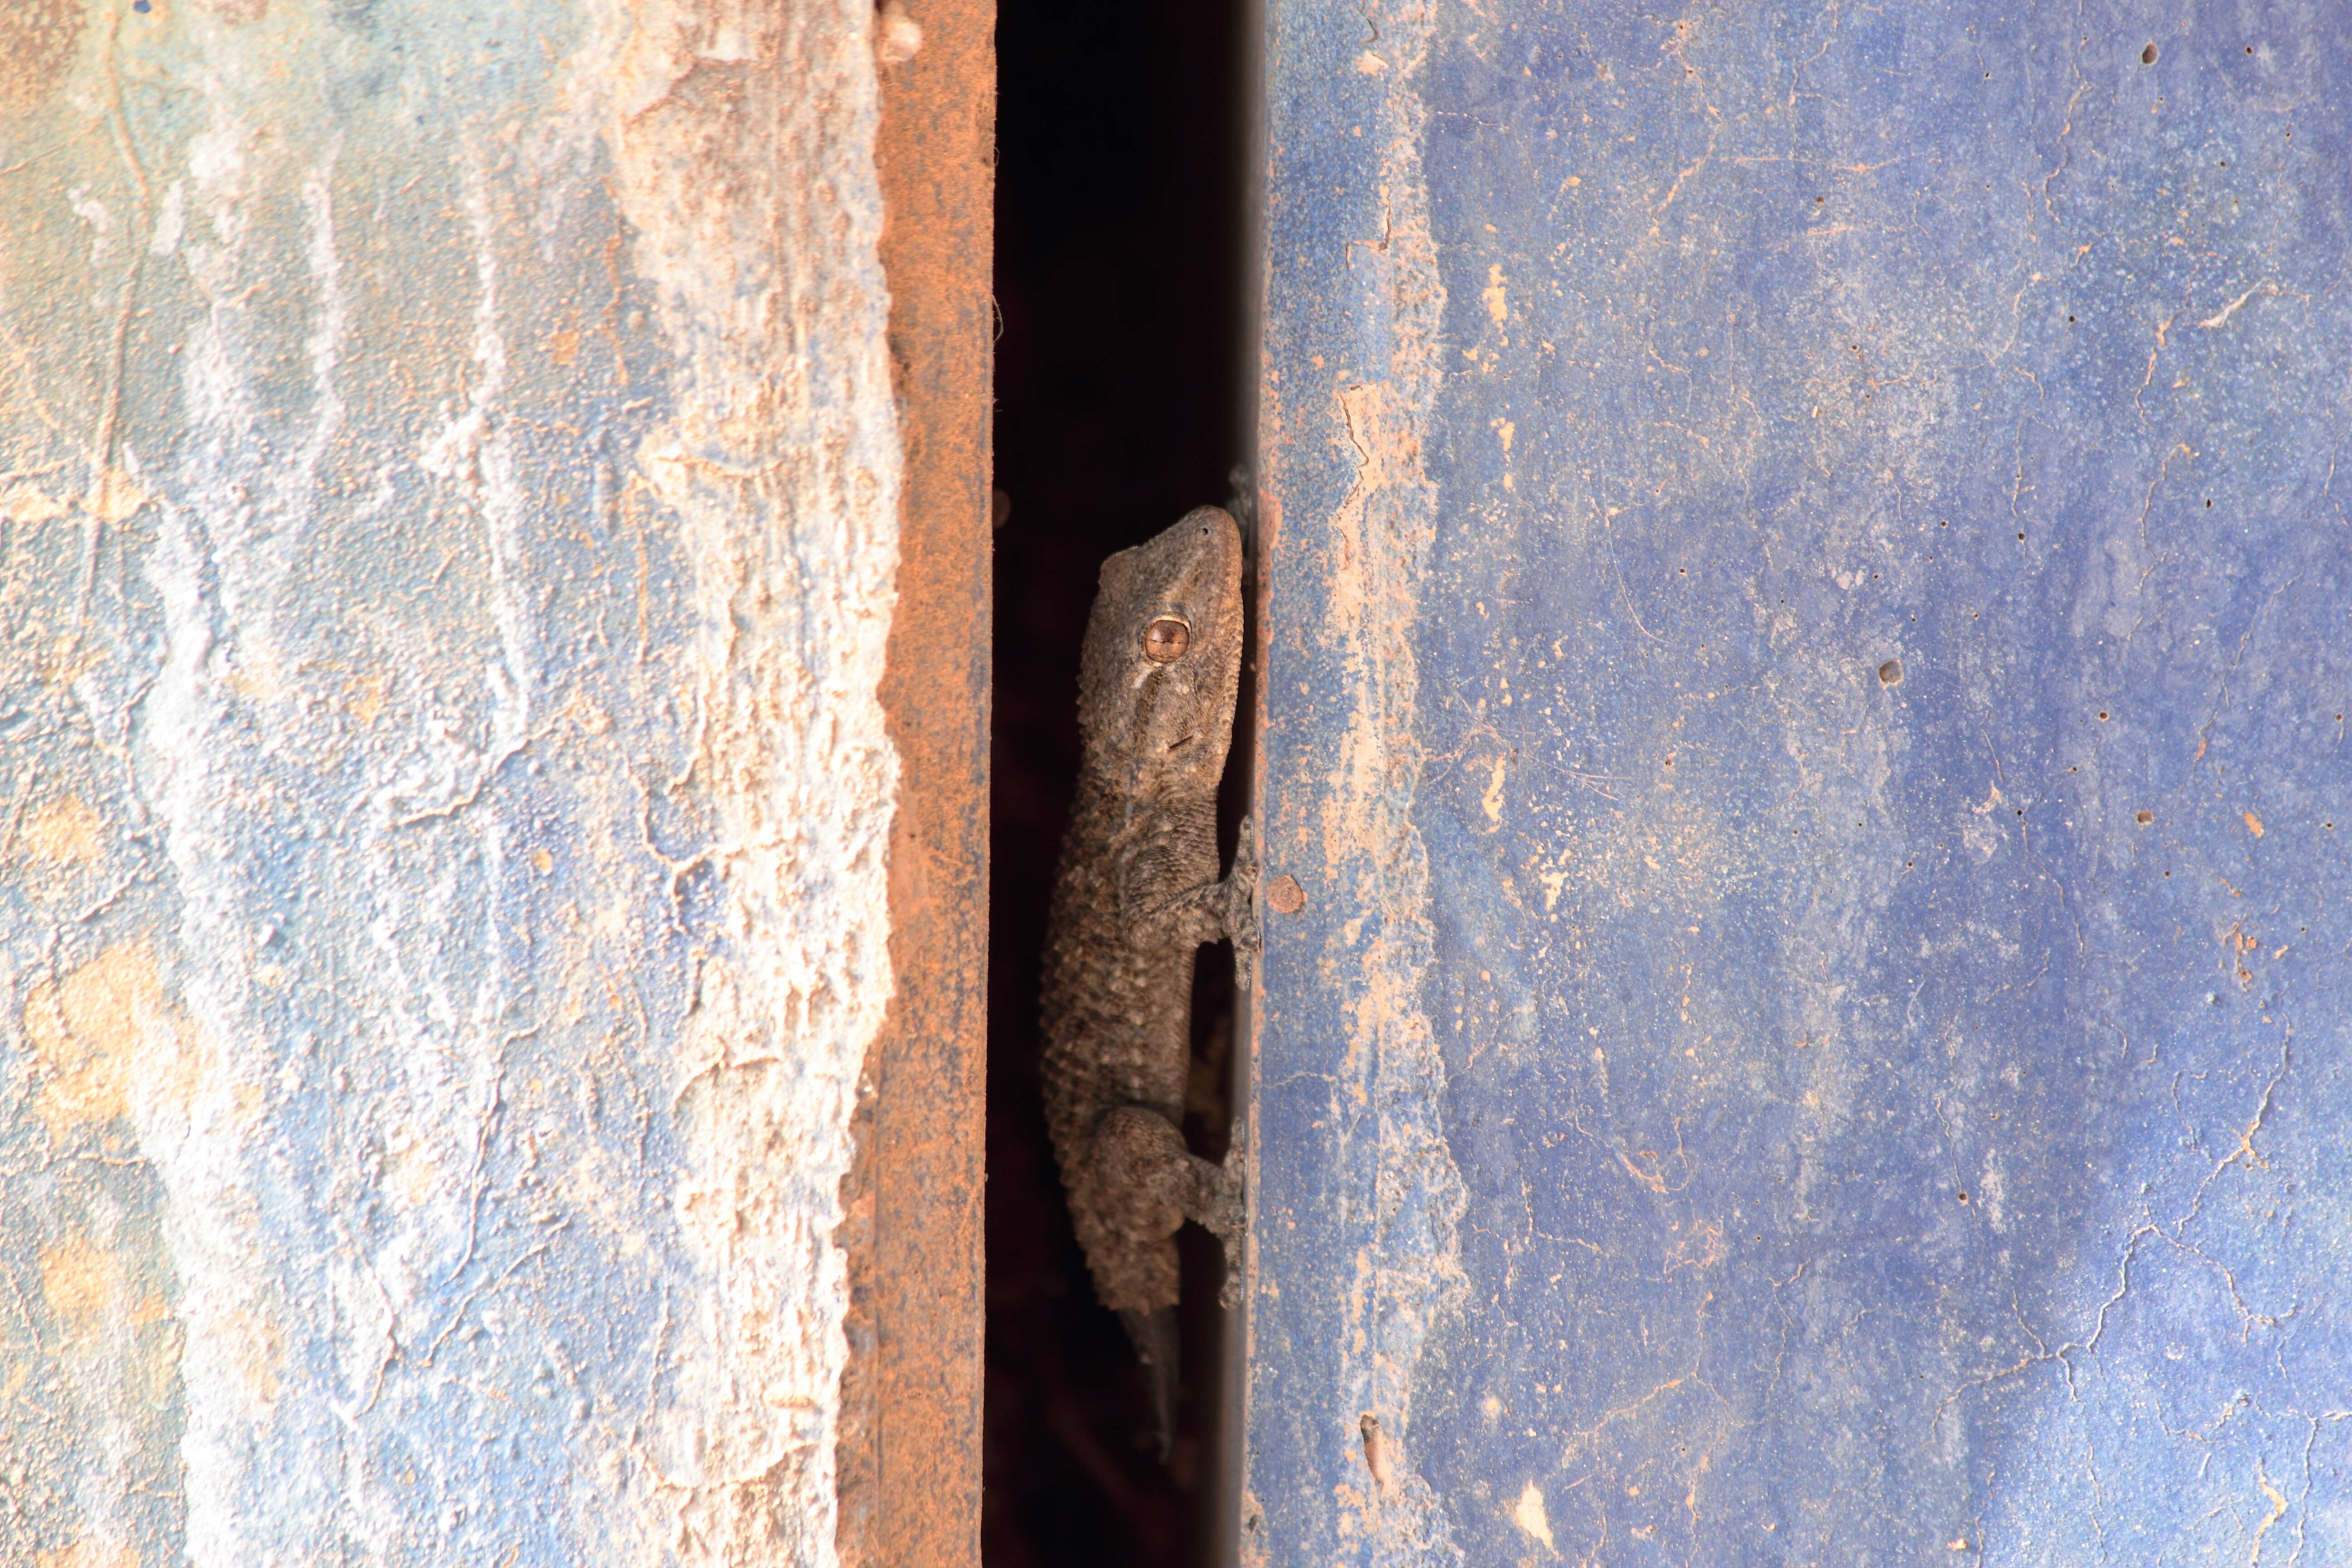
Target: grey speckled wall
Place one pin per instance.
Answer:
(447, 487)
(1807, 594)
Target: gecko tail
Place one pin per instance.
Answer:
(1153, 1334)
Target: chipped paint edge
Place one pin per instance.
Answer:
(1377, 420)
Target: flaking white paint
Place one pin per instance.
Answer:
(771, 296)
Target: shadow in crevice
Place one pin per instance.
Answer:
(1121, 381)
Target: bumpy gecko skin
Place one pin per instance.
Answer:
(1136, 896)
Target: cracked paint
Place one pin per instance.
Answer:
(448, 488)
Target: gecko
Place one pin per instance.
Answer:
(1136, 896)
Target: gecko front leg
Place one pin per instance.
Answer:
(1223, 910)
(1147, 1183)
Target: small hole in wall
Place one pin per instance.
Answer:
(1962, 1196)
(2144, 817)
(2147, 56)
(1891, 673)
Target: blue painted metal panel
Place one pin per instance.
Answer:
(1804, 688)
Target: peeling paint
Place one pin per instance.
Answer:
(1350, 1156)
(1528, 1513)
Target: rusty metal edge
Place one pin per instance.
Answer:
(1229, 1481)
(909, 1451)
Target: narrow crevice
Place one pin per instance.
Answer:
(1121, 402)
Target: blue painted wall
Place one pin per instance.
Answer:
(1805, 678)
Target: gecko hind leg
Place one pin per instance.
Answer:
(1150, 1183)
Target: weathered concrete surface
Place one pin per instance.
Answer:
(1804, 688)
(448, 489)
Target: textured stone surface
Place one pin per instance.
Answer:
(448, 516)
(1804, 690)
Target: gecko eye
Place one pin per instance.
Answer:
(1165, 640)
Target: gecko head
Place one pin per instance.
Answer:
(1162, 658)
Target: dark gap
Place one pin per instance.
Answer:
(1122, 400)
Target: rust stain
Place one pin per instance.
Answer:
(63, 832)
(363, 698)
(106, 1028)
(1528, 1513)
(1497, 301)
(89, 1553)
(1376, 1451)
(114, 496)
(2254, 825)
(24, 504)
(908, 1454)
(37, 40)
(1254, 1547)
(82, 1282)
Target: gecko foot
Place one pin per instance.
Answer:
(1232, 1189)
(1240, 889)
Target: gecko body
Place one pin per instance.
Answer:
(1136, 896)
